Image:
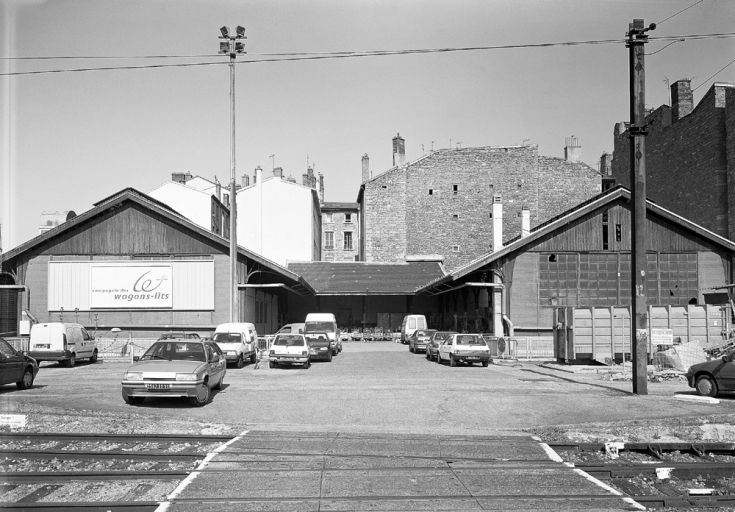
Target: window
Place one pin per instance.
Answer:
(348, 218)
(328, 217)
(455, 189)
(431, 191)
(348, 240)
(329, 239)
(455, 248)
(455, 217)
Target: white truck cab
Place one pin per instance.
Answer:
(324, 322)
(63, 342)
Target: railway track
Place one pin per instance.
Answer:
(62, 472)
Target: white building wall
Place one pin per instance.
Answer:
(275, 220)
(189, 202)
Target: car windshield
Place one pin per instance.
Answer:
(317, 337)
(6, 349)
(318, 326)
(227, 337)
(441, 336)
(423, 333)
(175, 351)
(469, 339)
(289, 340)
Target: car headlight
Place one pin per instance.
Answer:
(133, 376)
(186, 376)
(272, 352)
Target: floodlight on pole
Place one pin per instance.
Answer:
(231, 45)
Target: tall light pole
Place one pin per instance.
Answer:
(233, 45)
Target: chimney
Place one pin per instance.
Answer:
(278, 172)
(606, 164)
(525, 222)
(245, 180)
(321, 188)
(180, 177)
(682, 99)
(365, 168)
(497, 222)
(218, 188)
(399, 150)
(572, 150)
(258, 174)
(308, 179)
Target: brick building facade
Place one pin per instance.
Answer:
(442, 203)
(690, 156)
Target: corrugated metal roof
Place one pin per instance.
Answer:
(360, 278)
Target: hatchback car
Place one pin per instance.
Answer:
(419, 339)
(175, 368)
(16, 367)
(432, 348)
(289, 349)
(319, 348)
(711, 377)
(464, 348)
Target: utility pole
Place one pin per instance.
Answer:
(637, 38)
(232, 45)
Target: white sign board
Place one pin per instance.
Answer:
(13, 420)
(123, 286)
(662, 337)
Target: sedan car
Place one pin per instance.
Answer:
(464, 348)
(432, 348)
(289, 349)
(420, 338)
(16, 367)
(183, 367)
(711, 377)
(319, 348)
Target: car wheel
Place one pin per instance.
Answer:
(307, 364)
(202, 396)
(485, 363)
(329, 359)
(254, 358)
(27, 380)
(272, 364)
(71, 361)
(219, 384)
(706, 386)
(93, 359)
(452, 362)
(132, 400)
(240, 361)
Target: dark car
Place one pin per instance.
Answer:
(419, 339)
(319, 349)
(16, 367)
(714, 376)
(432, 348)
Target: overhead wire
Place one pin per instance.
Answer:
(714, 74)
(303, 56)
(678, 13)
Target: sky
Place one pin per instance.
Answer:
(69, 139)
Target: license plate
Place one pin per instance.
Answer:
(472, 358)
(158, 386)
(42, 346)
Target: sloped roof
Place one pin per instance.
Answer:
(361, 278)
(340, 206)
(130, 194)
(602, 200)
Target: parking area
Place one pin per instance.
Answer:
(372, 387)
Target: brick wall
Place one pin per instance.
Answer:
(689, 161)
(730, 156)
(445, 200)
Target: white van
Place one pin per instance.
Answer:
(63, 342)
(238, 341)
(411, 323)
(324, 322)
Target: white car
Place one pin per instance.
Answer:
(289, 349)
(464, 348)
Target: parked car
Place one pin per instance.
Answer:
(324, 322)
(289, 349)
(62, 342)
(464, 348)
(319, 348)
(712, 377)
(181, 367)
(432, 348)
(16, 367)
(356, 334)
(410, 324)
(238, 341)
(420, 338)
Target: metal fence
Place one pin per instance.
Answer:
(524, 348)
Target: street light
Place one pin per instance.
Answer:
(232, 45)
